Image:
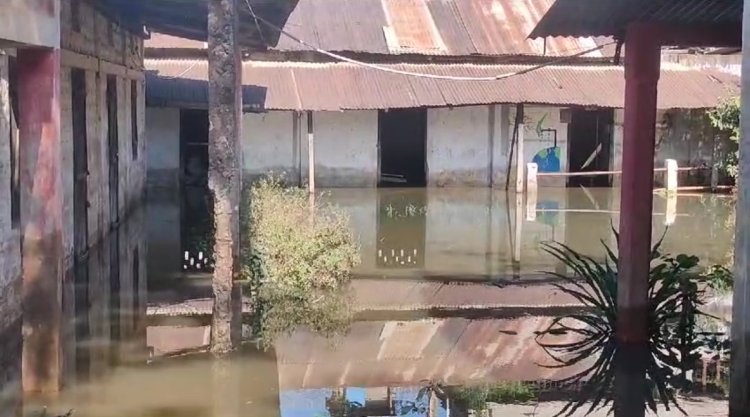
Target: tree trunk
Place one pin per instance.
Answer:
(224, 171)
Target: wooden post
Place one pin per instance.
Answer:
(739, 400)
(41, 217)
(310, 154)
(225, 172)
(520, 165)
(636, 204)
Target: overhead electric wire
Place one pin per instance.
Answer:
(339, 57)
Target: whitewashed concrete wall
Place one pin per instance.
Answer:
(163, 150)
(346, 148)
(462, 144)
(458, 145)
(269, 144)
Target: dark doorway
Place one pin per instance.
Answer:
(196, 212)
(80, 162)
(113, 143)
(402, 136)
(589, 145)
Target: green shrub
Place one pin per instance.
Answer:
(726, 118)
(300, 260)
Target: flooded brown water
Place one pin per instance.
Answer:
(425, 311)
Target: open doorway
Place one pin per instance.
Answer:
(197, 207)
(402, 136)
(589, 146)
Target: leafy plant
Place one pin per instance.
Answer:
(299, 264)
(476, 397)
(726, 118)
(675, 294)
(719, 278)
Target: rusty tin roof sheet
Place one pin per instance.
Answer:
(454, 351)
(342, 86)
(422, 27)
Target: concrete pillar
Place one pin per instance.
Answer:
(641, 77)
(41, 217)
(636, 204)
(739, 400)
(225, 173)
(671, 182)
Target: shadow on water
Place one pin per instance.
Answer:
(429, 337)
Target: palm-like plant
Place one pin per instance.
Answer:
(675, 293)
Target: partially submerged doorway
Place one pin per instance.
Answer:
(589, 146)
(196, 207)
(402, 139)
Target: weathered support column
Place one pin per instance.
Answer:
(41, 217)
(739, 388)
(636, 204)
(225, 170)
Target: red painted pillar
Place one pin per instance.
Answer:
(41, 217)
(642, 59)
(636, 203)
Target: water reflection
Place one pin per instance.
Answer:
(481, 234)
(428, 321)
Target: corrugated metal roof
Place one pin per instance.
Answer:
(426, 27)
(454, 351)
(193, 93)
(609, 17)
(330, 86)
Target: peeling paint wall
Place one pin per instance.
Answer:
(688, 137)
(683, 135)
(10, 245)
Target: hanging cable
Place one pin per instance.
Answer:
(412, 73)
